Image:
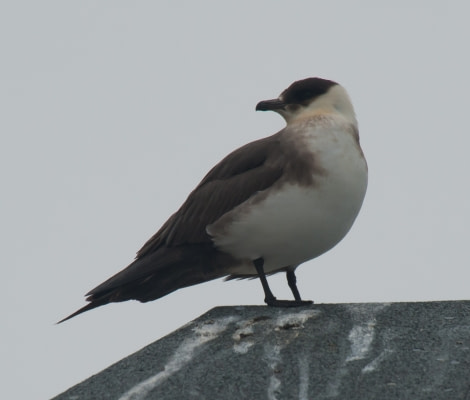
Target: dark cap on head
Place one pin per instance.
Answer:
(300, 92)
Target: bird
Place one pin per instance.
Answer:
(267, 207)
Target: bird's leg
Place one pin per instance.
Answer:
(269, 298)
(292, 281)
(268, 295)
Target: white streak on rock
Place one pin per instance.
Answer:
(372, 366)
(304, 372)
(362, 334)
(273, 356)
(183, 355)
(295, 320)
(242, 348)
(361, 337)
(242, 345)
(245, 330)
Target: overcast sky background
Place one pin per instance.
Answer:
(113, 111)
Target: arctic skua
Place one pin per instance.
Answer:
(267, 207)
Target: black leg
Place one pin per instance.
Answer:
(292, 281)
(268, 295)
(269, 298)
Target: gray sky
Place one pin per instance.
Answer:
(113, 111)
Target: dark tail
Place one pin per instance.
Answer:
(89, 306)
(158, 274)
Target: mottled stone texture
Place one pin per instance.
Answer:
(325, 351)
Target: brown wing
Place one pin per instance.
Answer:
(240, 175)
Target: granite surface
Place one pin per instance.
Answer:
(323, 351)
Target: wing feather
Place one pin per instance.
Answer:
(244, 172)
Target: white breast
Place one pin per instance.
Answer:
(293, 223)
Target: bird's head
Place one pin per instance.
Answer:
(309, 96)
